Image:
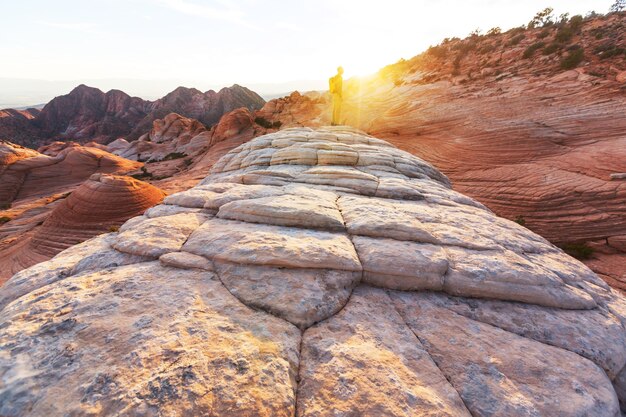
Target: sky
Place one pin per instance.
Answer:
(148, 47)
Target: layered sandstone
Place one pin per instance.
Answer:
(314, 273)
(99, 205)
(534, 142)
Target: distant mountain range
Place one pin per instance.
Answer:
(88, 114)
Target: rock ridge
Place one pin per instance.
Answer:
(314, 272)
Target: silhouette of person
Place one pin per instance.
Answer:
(336, 90)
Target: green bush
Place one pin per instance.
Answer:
(543, 34)
(438, 51)
(4, 219)
(550, 49)
(487, 49)
(515, 40)
(578, 250)
(263, 122)
(609, 50)
(573, 58)
(144, 174)
(520, 220)
(530, 51)
(174, 155)
(576, 22)
(494, 31)
(564, 34)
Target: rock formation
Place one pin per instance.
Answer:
(172, 135)
(313, 273)
(529, 139)
(178, 151)
(39, 219)
(100, 204)
(88, 114)
(26, 173)
(206, 107)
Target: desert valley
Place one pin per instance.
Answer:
(474, 192)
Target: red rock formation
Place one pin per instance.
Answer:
(101, 203)
(530, 140)
(40, 175)
(233, 129)
(88, 114)
(207, 107)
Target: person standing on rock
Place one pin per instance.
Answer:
(335, 85)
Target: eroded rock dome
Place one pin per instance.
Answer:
(313, 273)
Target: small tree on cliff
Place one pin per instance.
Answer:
(542, 18)
(618, 6)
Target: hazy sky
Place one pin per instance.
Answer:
(206, 43)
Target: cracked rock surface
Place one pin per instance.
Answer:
(313, 273)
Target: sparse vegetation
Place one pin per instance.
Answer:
(618, 6)
(550, 49)
(542, 19)
(174, 155)
(530, 51)
(263, 122)
(4, 219)
(520, 220)
(578, 250)
(188, 161)
(543, 34)
(609, 50)
(576, 22)
(487, 49)
(144, 174)
(114, 228)
(515, 40)
(494, 31)
(574, 57)
(564, 34)
(439, 51)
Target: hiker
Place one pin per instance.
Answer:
(336, 90)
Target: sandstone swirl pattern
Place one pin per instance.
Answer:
(313, 273)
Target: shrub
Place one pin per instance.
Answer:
(543, 34)
(4, 219)
(487, 49)
(263, 122)
(618, 6)
(564, 34)
(438, 51)
(543, 18)
(494, 31)
(174, 155)
(457, 62)
(515, 40)
(550, 49)
(578, 250)
(114, 228)
(609, 50)
(576, 22)
(520, 220)
(573, 58)
(188, 161)
(144, 174)
(530, 51)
